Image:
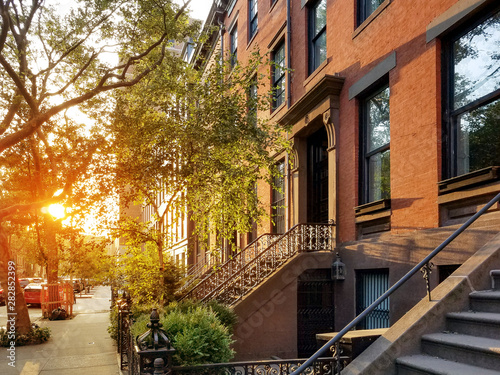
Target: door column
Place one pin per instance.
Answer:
(330, 118)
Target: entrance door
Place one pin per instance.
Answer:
(315, 309)
(317, 190)
(371, 284)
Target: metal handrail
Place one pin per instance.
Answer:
(199, 269)
(270, 252)
(232, 259)
(396, 286)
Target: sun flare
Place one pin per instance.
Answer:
(57, 211)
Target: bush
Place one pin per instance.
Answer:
(113, 323)
(195, 332)
(225, 314)
(37, 335)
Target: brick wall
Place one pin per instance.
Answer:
(415, 95)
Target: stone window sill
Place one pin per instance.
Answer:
(370, 18)
(469, 180)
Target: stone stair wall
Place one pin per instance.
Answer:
(469, 345)
(421, 334)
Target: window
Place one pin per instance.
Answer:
(472, 107)
(375, 132)
(278, 76)
(317, 35)
(252, 102)
(370, 285)
(253, 20)
(233, 47)
(367, 7)
(278, 199)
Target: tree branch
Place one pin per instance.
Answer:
(19, 84)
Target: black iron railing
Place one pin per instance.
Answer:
(130, 358)
(197, 271)
(239, 275)
(204, 273)
(322, 366)
(424, 263)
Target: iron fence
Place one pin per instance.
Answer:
(130, 361)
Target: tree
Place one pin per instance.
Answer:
(53, 61)
(84, 257)
(189, 144)
(138, 270)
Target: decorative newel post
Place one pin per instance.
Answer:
(154, 349)
(426, 273)
(159, 366)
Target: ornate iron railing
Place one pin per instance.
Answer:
(322, 366)
(197, 271)
(245, 271)
(131, 363)
(301, 238)
(244, 256)
(423, 266)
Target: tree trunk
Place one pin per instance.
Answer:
(51, 227)
(17, 311)
(162, 272)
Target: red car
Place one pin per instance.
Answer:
(32, 294)
(2, 297)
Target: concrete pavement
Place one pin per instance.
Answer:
(77, 346)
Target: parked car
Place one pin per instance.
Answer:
(24, 282)
(77, 286)
(2, 297)
(33, 294)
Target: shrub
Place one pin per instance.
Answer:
(195, 332)
(113, 323)
(225, 314)
(37, 335)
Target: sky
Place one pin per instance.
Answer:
(199, 8)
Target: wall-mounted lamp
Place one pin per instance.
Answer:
(338, 269)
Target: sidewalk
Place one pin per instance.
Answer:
(77, 346)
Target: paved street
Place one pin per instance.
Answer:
(78, 346)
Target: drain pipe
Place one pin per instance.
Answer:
(288, 101)
(289, 48)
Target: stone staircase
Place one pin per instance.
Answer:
(239, 276)
(470, 345)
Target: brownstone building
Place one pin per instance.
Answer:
(394, 109)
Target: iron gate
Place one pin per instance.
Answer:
(315, 309)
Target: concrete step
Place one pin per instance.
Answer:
(424, 364)
(485, 301)
(473, 350)
(495, 279)
(484, 324)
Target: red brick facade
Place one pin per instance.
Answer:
(395, 237)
